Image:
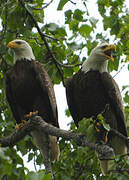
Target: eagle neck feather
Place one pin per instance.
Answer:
(89, 64)
(19, 55)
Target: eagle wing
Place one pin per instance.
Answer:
(47, 86)
(71, 100)
(115, 99)
(83, 93)
(10, 95)
(89, 94)
(29, 87)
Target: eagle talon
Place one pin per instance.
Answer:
(20, 124)
(98, 127)
(106, 137)
(32, 114)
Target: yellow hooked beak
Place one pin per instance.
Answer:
(108, 51)
(13, 44)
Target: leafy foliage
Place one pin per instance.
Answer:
(70, 44)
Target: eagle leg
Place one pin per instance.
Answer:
(32, 114)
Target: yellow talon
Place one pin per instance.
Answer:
(97, 130)
(98, 124)
(31, 114)
(106, 137)
(19, 126)
(23, 121)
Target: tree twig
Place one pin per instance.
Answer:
(119, 71)
(72, 2)
(47, 4)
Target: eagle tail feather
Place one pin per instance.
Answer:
(47, 144)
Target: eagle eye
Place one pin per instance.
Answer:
(19, 42)
(103, 47)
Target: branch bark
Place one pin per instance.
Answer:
(37, 123)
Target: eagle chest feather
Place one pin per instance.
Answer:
(89, 90)
(24, 91)
(23, 83)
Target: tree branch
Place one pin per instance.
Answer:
(72, 2)
(47, 4)
(119, 71)
(37, 123)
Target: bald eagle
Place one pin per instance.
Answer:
(29, 89)
(92, 91)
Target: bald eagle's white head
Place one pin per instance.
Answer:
(98, 58)
(21, 49)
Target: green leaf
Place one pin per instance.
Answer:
(38, 176)
(78, 15)
(105, 125)
(29, 8)
(126, 98)
(68, 16)
(85, 30)
(30, 156)
(61, 4)
(75, 46)
(52, 26)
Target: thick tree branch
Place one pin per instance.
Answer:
(17, 135)
(37, 123)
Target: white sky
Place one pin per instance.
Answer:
(52, 15)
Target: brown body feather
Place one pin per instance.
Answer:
(92, 93)
(29, 88)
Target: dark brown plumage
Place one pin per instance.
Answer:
(29, 89)
(89, 93)
(92, 91)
